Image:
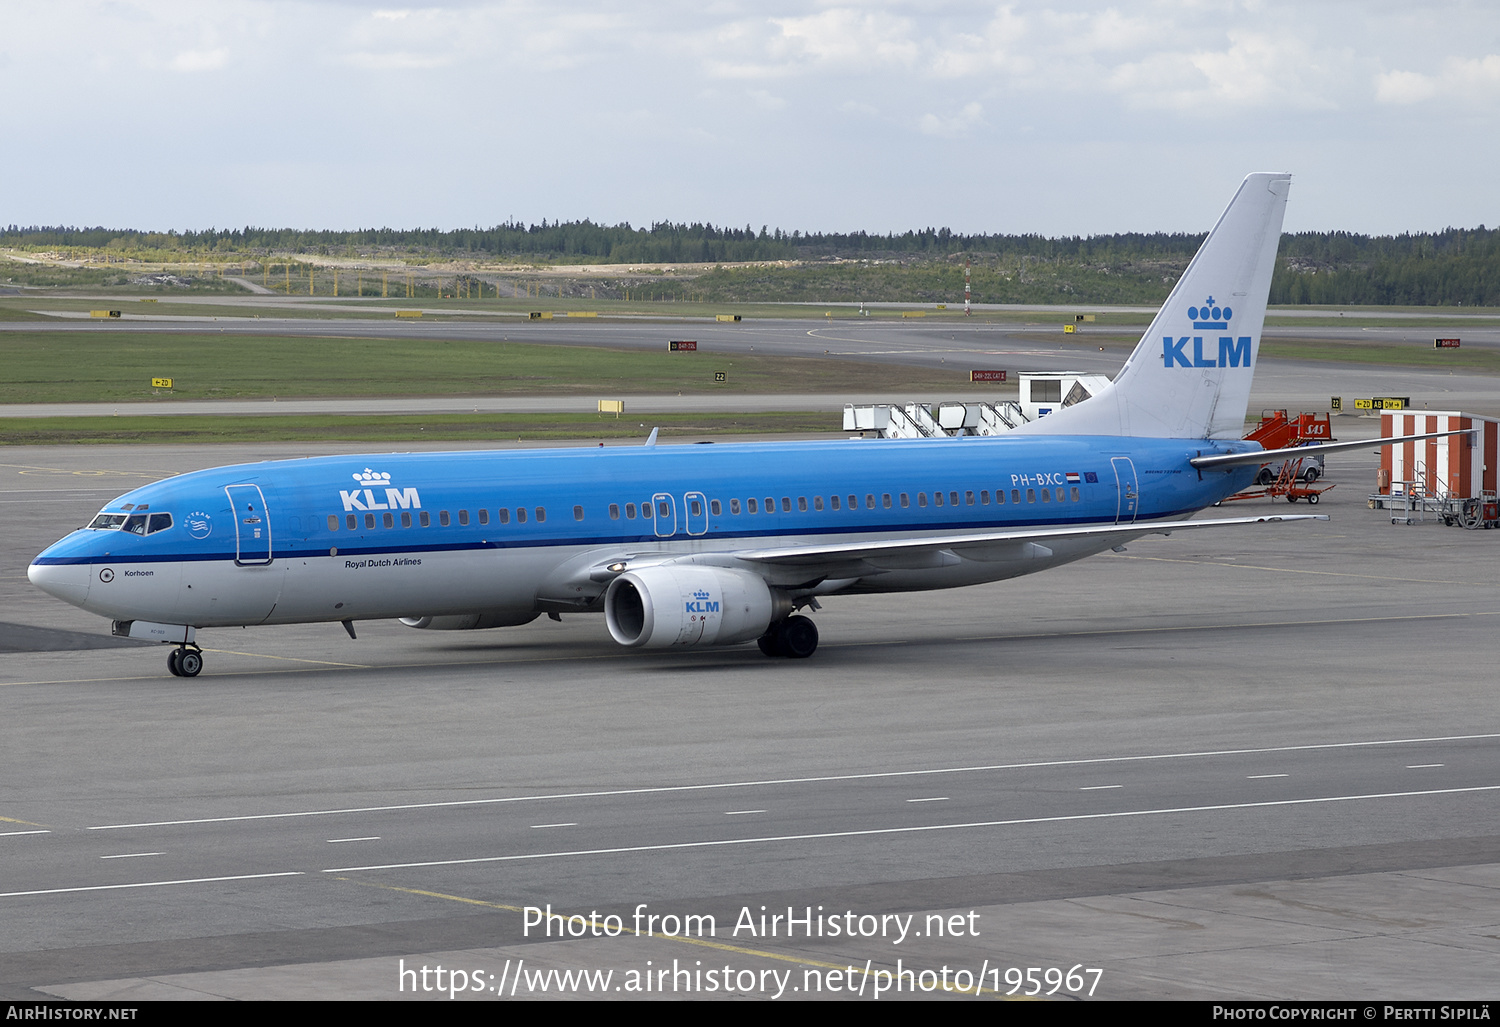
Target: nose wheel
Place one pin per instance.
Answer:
(184, 662)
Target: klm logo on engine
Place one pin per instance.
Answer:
(701, 603)
(1189, 350)
(364, 499)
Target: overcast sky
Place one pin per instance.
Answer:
(1069, 117)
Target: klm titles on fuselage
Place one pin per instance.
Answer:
(1233, 351)
(364, 499)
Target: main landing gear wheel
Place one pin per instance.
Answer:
(795, 637)
(185, 663)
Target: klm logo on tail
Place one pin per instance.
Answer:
(1233, 352)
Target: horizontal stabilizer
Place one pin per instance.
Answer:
(1265, 456)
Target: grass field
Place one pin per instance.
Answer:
(108, 366)
(393, 428)
(55, 367)
(324, 307)
(1392, 354)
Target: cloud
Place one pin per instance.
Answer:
(842, 36)
(1474, 79)
(1254, 70)
(967, 120)
(1404, 87)
(766, 101)
(200, 60)
(396, 61)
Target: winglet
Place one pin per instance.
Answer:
(651, 439)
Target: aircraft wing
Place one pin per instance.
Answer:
(1001, 543)
(1264, 456)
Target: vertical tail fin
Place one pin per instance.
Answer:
(1190, 375)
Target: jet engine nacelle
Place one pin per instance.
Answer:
(472, 621)
(686, 604)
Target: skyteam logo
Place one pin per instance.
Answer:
(364, 499)
(702, 603)
(1232, 351)
(199, 524)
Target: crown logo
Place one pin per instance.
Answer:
(1210, 316)
(701, 594)
(370, 477)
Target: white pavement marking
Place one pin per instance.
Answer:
(668, 846)
(147, 884)
(794, 780)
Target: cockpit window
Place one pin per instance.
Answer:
(136, 524)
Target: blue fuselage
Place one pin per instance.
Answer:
(333, 538)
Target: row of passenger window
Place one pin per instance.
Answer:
(904, 500)
(423, 518)
(695, 507)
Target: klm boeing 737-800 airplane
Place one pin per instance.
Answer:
(701, 545)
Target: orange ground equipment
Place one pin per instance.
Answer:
(1278, 431)
(1291, 478)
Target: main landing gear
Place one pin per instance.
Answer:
(795, 637)
(184, 662)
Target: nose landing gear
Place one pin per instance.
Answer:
(184, 662)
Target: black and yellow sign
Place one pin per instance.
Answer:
(161, 383)
(720, 376)
(1336, 403)
(1364, 404)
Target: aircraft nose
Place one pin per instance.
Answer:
(67, 581)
